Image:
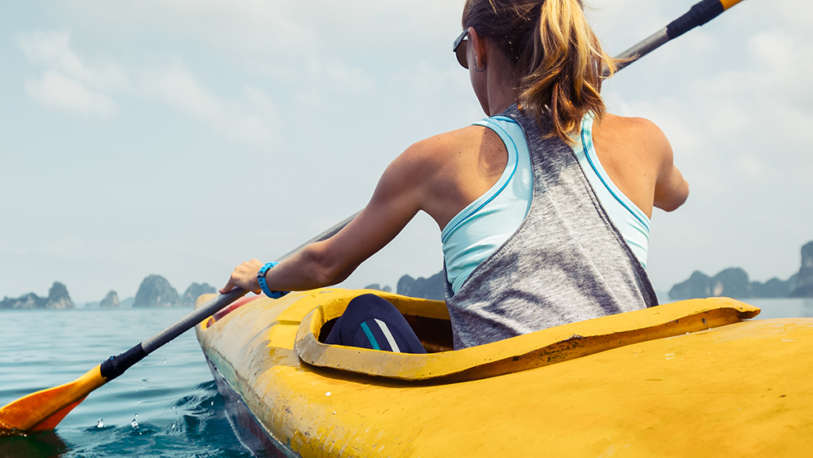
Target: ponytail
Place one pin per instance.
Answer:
(556, 55)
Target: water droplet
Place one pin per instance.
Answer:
(100, 423)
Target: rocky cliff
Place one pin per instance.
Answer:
(428, 288)
(111, 300)
(804, 279)
(734, 282)
(378, 287)
(731, 282)
(698, 285)
(155, 291)
(58, 298)
(194, 290)
(773, 288)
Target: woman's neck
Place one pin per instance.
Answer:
(501, 86)
(500, 98)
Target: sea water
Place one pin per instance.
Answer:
(167, 405)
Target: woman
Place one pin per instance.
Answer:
(544, 206)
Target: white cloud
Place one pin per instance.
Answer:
(340, 75)
(53, 50)
(67, 82)
(54, 89)
(282, 27)
(247, 27)
(70, 83)
(250, 119)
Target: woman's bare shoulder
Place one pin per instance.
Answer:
(447, 142)
(444, 170)
(430, 155)
(428, 160)
(637, 130)
(647, 142)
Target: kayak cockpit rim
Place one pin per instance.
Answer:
(541, 348)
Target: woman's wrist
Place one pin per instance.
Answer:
(263, 283)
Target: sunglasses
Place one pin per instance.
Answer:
(460, 50)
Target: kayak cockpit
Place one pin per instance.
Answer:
(548, 346)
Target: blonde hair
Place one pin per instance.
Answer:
(555, 53)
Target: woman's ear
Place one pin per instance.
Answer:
(477, 50)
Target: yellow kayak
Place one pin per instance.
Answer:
(684, 379)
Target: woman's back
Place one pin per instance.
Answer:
(483, 225)
(566, 261)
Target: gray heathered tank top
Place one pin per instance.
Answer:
(565, 263)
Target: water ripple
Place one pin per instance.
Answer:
(179, 412)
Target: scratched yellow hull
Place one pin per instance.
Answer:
(694, 378)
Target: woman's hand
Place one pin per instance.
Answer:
(244, 277)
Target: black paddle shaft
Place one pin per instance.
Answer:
(698, 15)
(111, 368)
(116, 365)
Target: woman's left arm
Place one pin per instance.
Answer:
(399, 195)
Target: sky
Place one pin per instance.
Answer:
(181, 137)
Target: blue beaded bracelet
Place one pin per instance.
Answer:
(264, 284)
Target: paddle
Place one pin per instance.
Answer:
(698, 15)
(44, 409)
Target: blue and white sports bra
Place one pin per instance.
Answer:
(481, 228)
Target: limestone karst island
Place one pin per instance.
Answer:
(154, 291)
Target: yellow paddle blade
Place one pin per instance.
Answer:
(729, 3)
(43, 410)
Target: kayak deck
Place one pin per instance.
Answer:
(740, 388)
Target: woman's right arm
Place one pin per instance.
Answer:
(399, 195)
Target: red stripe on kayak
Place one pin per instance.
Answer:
(234, 306)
